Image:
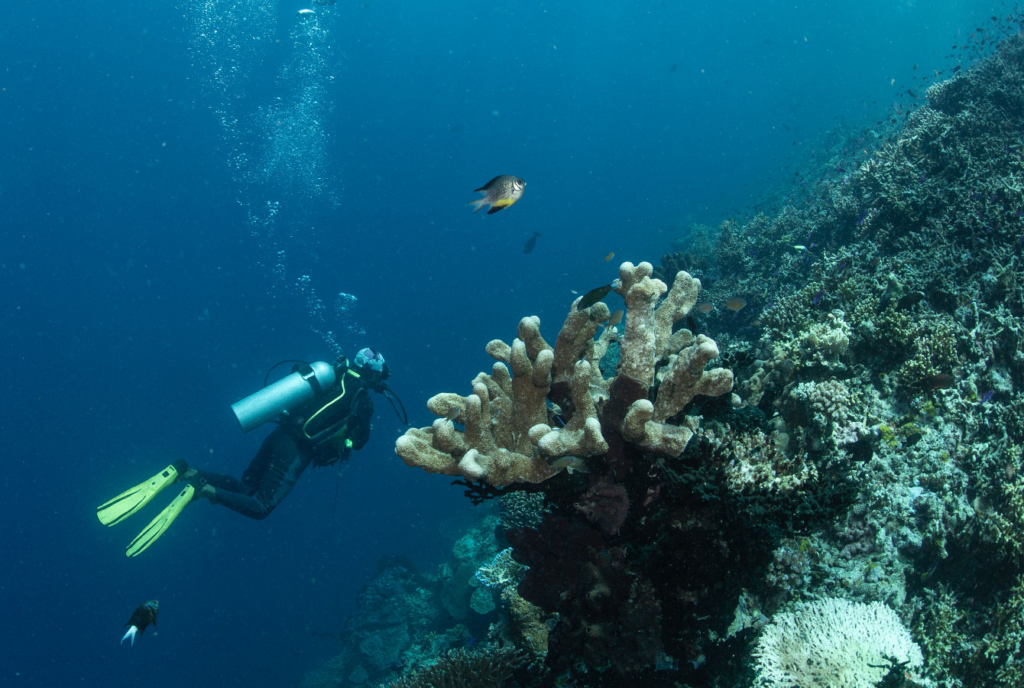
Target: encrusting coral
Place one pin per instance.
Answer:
(509, 420)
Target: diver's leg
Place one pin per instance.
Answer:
(244, 504)
(270, 477)
(261, 463)
(222, 482)
(217, 482)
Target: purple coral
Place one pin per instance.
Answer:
(606, 505)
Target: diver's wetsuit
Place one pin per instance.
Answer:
(285, 454)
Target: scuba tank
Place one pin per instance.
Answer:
(308, 381)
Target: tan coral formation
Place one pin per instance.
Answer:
(527, 621)
(684, 377)
(508, 434)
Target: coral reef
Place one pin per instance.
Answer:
(466, 669)
(889, 351)
(865, 477)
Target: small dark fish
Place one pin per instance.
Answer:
(593, 296)
(817, 297)
(144, 615)
(499, 193)
(531, 243)
(956, 69)
(863, 215)
(986, 397)
(938, 381)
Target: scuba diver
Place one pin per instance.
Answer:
(322, 413)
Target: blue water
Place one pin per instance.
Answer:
(141, 297)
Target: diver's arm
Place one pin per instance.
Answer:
(359, 420)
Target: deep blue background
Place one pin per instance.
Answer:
(137, 304)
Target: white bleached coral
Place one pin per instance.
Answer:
(833, 643)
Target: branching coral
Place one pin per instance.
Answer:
(510, 433)
(833, 642)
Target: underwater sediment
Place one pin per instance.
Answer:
(830, 450)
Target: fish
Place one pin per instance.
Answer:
(531, 243)
(736, 303)
(705, 307)
(610, 255)
(986, 397)
(615, 319)
(937, 381)
(499, 193)
(143, 615)
(593, 296)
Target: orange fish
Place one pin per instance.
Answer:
(609, 256)
(705, 307)
(736, 303)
